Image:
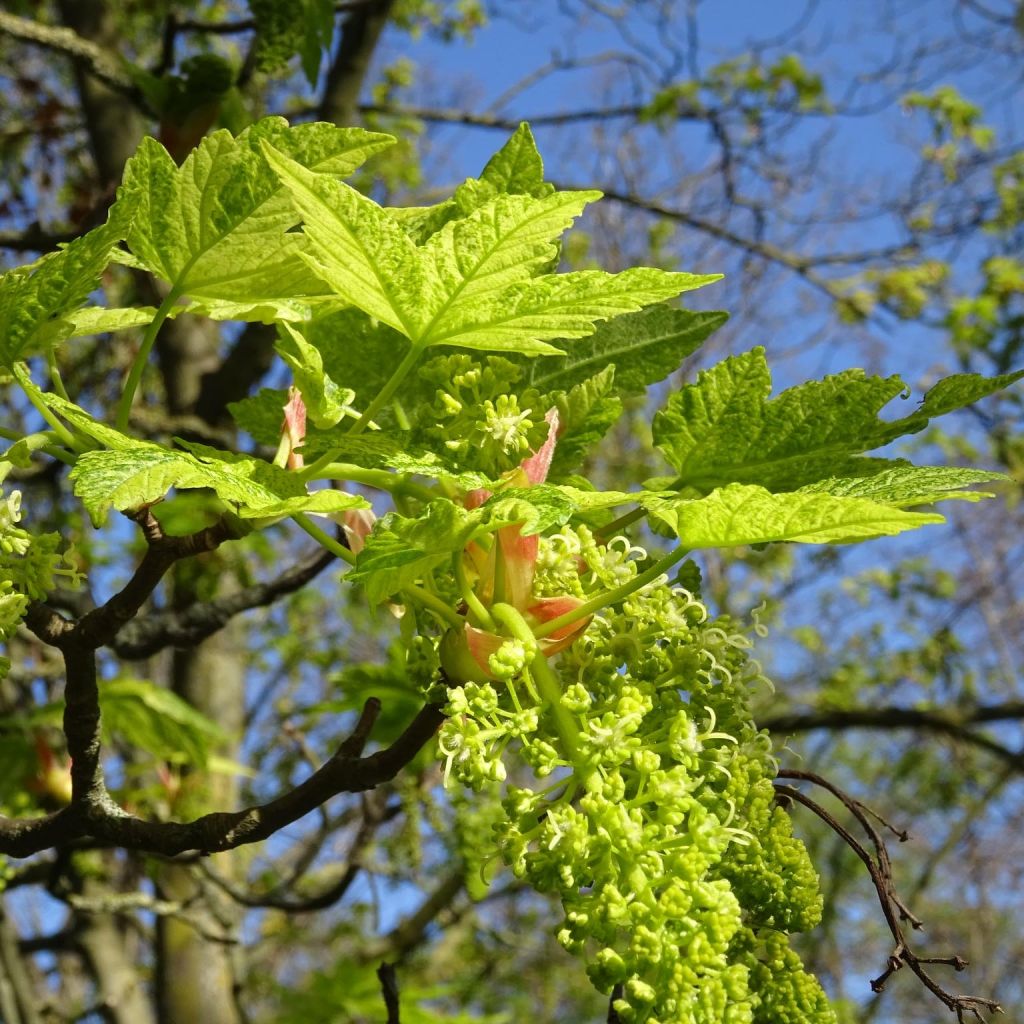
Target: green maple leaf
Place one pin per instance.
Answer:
(261, 415)
(742, 514)
(39, 304)
(585, 414)
(725, 428)
(516, 169)
(400, 550)
(127, 474)
(903, 485)
(644, 347)
(215, 228)
(472, 284)
(325, 401)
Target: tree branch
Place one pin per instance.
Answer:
(345, 77)
(374, 815)
(389, 991)
(894, 909)
(345, 772)
(34, 238)
(802, 266)
(241, 25)
(441, 115)
(409, 932)
(950, 723)
(100, 62)
(145, 636)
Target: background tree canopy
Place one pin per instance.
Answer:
(855, 172)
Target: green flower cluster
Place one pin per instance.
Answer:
(480, 415)
(656, 825)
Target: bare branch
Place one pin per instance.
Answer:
(100, 626)
(241, 25)
(374, 815)
(894, 909)
(436, 115)
(409, 933)
(145, 636)
(346, 772)
(950, 723)
(35, 238)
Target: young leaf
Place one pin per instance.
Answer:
(644, 348)
(139, 473)
(522, 317)
(585, 414)
(261, 415)
(265, 311)
(358, 248)
(401, 551)
(81, 323)
(516, 169)
(39, 303)
(470, 285)
(902, 485)
(325, 402)
(724, 427)
(155, 720)
(741, 514)
(536, 508)
(950, 394)
(215, 228)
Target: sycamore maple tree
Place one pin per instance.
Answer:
(448, 383)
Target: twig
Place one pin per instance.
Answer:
(389, 990)
(373, 818)
(227, 28)
(409, 932)
(346, 772)
(613, 1014)
(954, 724)
(893, 908)
(145, 636)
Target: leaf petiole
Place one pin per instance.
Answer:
(383, 397)
(612, 528)
(65, 436)
(131, 385)
(478, 614)
(381, 479)
(323, 538)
